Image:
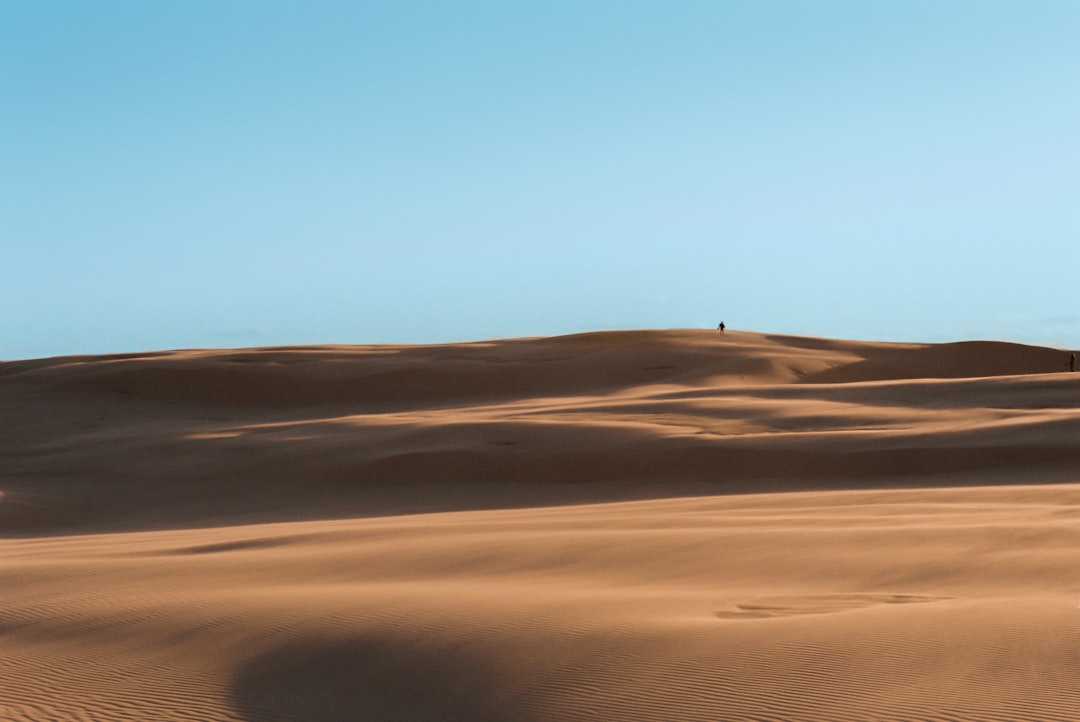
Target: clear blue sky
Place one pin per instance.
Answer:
(221, 173)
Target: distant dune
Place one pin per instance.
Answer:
(621, 525)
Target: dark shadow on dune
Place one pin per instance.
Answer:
(964, 359)
(369, 680)
(343, 475)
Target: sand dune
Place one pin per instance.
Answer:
(649, 525)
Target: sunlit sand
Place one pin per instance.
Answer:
(646, 525)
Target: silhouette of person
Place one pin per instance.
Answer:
(721, 328)
(1072, 361)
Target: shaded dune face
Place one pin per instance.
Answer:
(181, 438)
(634, 526)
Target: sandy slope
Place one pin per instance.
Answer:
(583, 527)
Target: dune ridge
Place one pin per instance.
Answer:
(632, 525)
(339, 431)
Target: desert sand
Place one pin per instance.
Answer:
(632, 525)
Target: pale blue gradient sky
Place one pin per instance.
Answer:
(242, 173)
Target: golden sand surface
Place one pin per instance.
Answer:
(624, 525)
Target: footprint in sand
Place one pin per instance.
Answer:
(787, 606)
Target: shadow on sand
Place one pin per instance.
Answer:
(370, 680)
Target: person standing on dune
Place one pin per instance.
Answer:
(1072, 361)
(721, 328)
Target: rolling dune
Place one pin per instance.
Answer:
(646, 525)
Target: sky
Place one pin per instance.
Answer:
(237, 173)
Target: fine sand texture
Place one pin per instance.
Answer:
(623, 525)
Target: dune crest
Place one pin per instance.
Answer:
(200, 438)
(632, 525)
